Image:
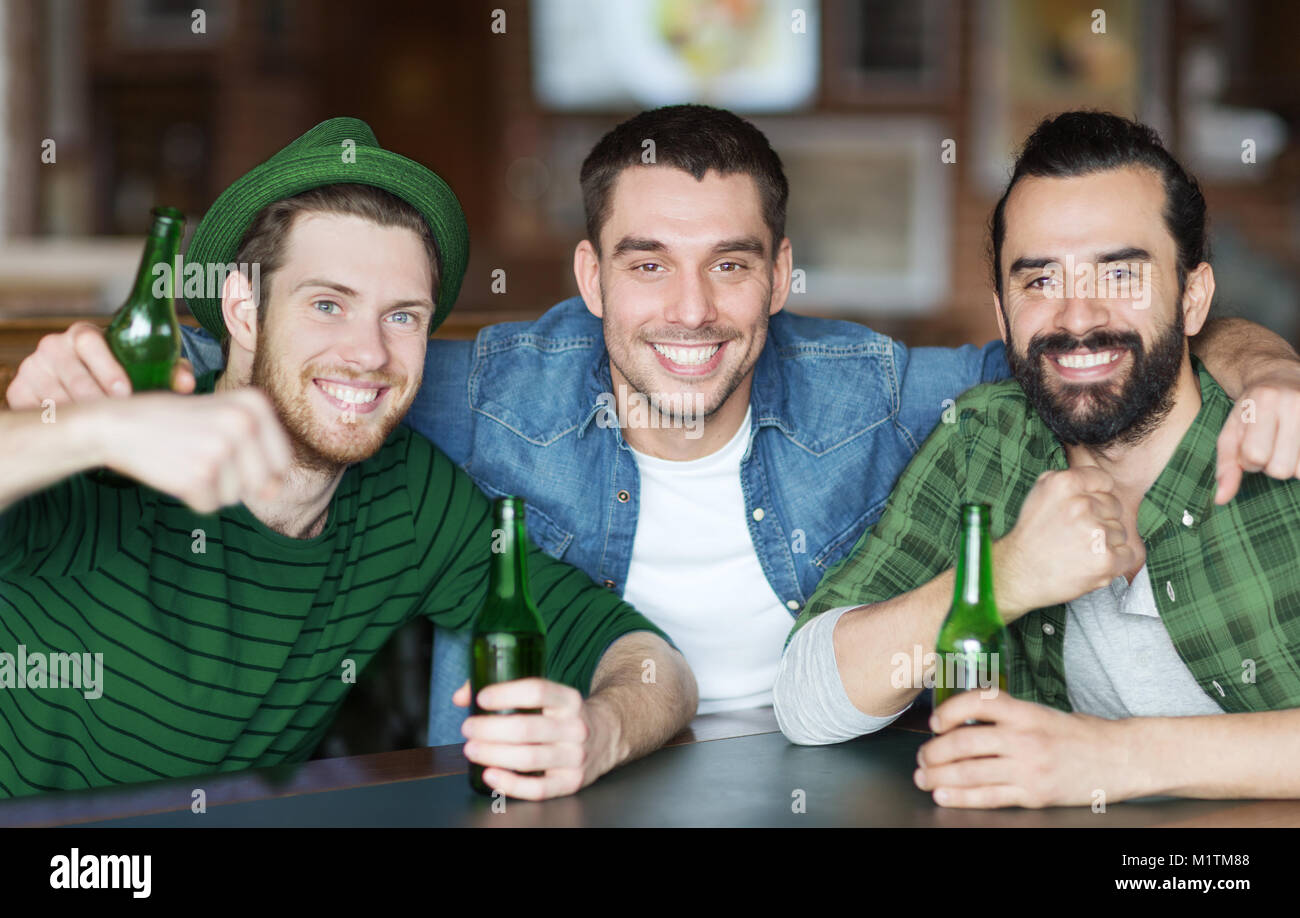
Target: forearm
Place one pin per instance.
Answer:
(811, 705)
(869, 639)
(35, 455)
(642, 695)
(1219, 756)
(1235, 350)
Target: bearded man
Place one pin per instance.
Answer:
(1154, 629)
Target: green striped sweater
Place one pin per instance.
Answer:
(225, 644)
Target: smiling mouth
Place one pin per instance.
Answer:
(1077, 361)
(693, 355)
(359, 397)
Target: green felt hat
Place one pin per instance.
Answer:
(323, 156)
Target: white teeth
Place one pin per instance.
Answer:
(349, 394)
(687, 356)
(1083, 361)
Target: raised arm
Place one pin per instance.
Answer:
(76, 365)
(36, 452)
(208, 450)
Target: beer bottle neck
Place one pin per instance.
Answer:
(161, 247)
(973, 587)
(508, 573)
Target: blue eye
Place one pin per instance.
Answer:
(403, 315)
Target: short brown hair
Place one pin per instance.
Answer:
(695, 139)
(263, 242)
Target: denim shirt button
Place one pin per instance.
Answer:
(609, 584)
(758, 514)
(624, 497)
(792, 604)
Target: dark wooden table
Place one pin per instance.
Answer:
(732, 769)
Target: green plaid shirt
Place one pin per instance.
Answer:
(1226, 579)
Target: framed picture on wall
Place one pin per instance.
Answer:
(746, 55)
(891, 51)
(869, 214)
(1033, 58)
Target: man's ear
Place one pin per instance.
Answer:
(1197, 295)
(782, 268)
(586, 271)
(239, 310)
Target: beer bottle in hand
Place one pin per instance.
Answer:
(971, 646)
(144, 335)
(509, 640)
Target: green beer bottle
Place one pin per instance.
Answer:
(509, 640)
(972, 641)
(144, 335)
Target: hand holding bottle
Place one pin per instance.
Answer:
(75, 366)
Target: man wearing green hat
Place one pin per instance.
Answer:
(284, 524)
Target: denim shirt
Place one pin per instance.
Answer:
(838, 410)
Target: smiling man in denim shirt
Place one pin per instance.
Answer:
(675, 433)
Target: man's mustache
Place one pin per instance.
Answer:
(1095, 341)
(391, 380)
(699, 336)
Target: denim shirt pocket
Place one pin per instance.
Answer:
(543, 531)
(842, 542)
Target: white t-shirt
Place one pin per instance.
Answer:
(695, 574)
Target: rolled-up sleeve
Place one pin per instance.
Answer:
(812, 707)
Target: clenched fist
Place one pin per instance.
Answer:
(207, 450)
(1070, 539)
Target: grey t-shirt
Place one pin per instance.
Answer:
(812, 707)
(1119, 659)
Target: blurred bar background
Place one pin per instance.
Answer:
(896, 119)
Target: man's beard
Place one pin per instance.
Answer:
(1093, 414)
(315, 447)
(641, 382)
